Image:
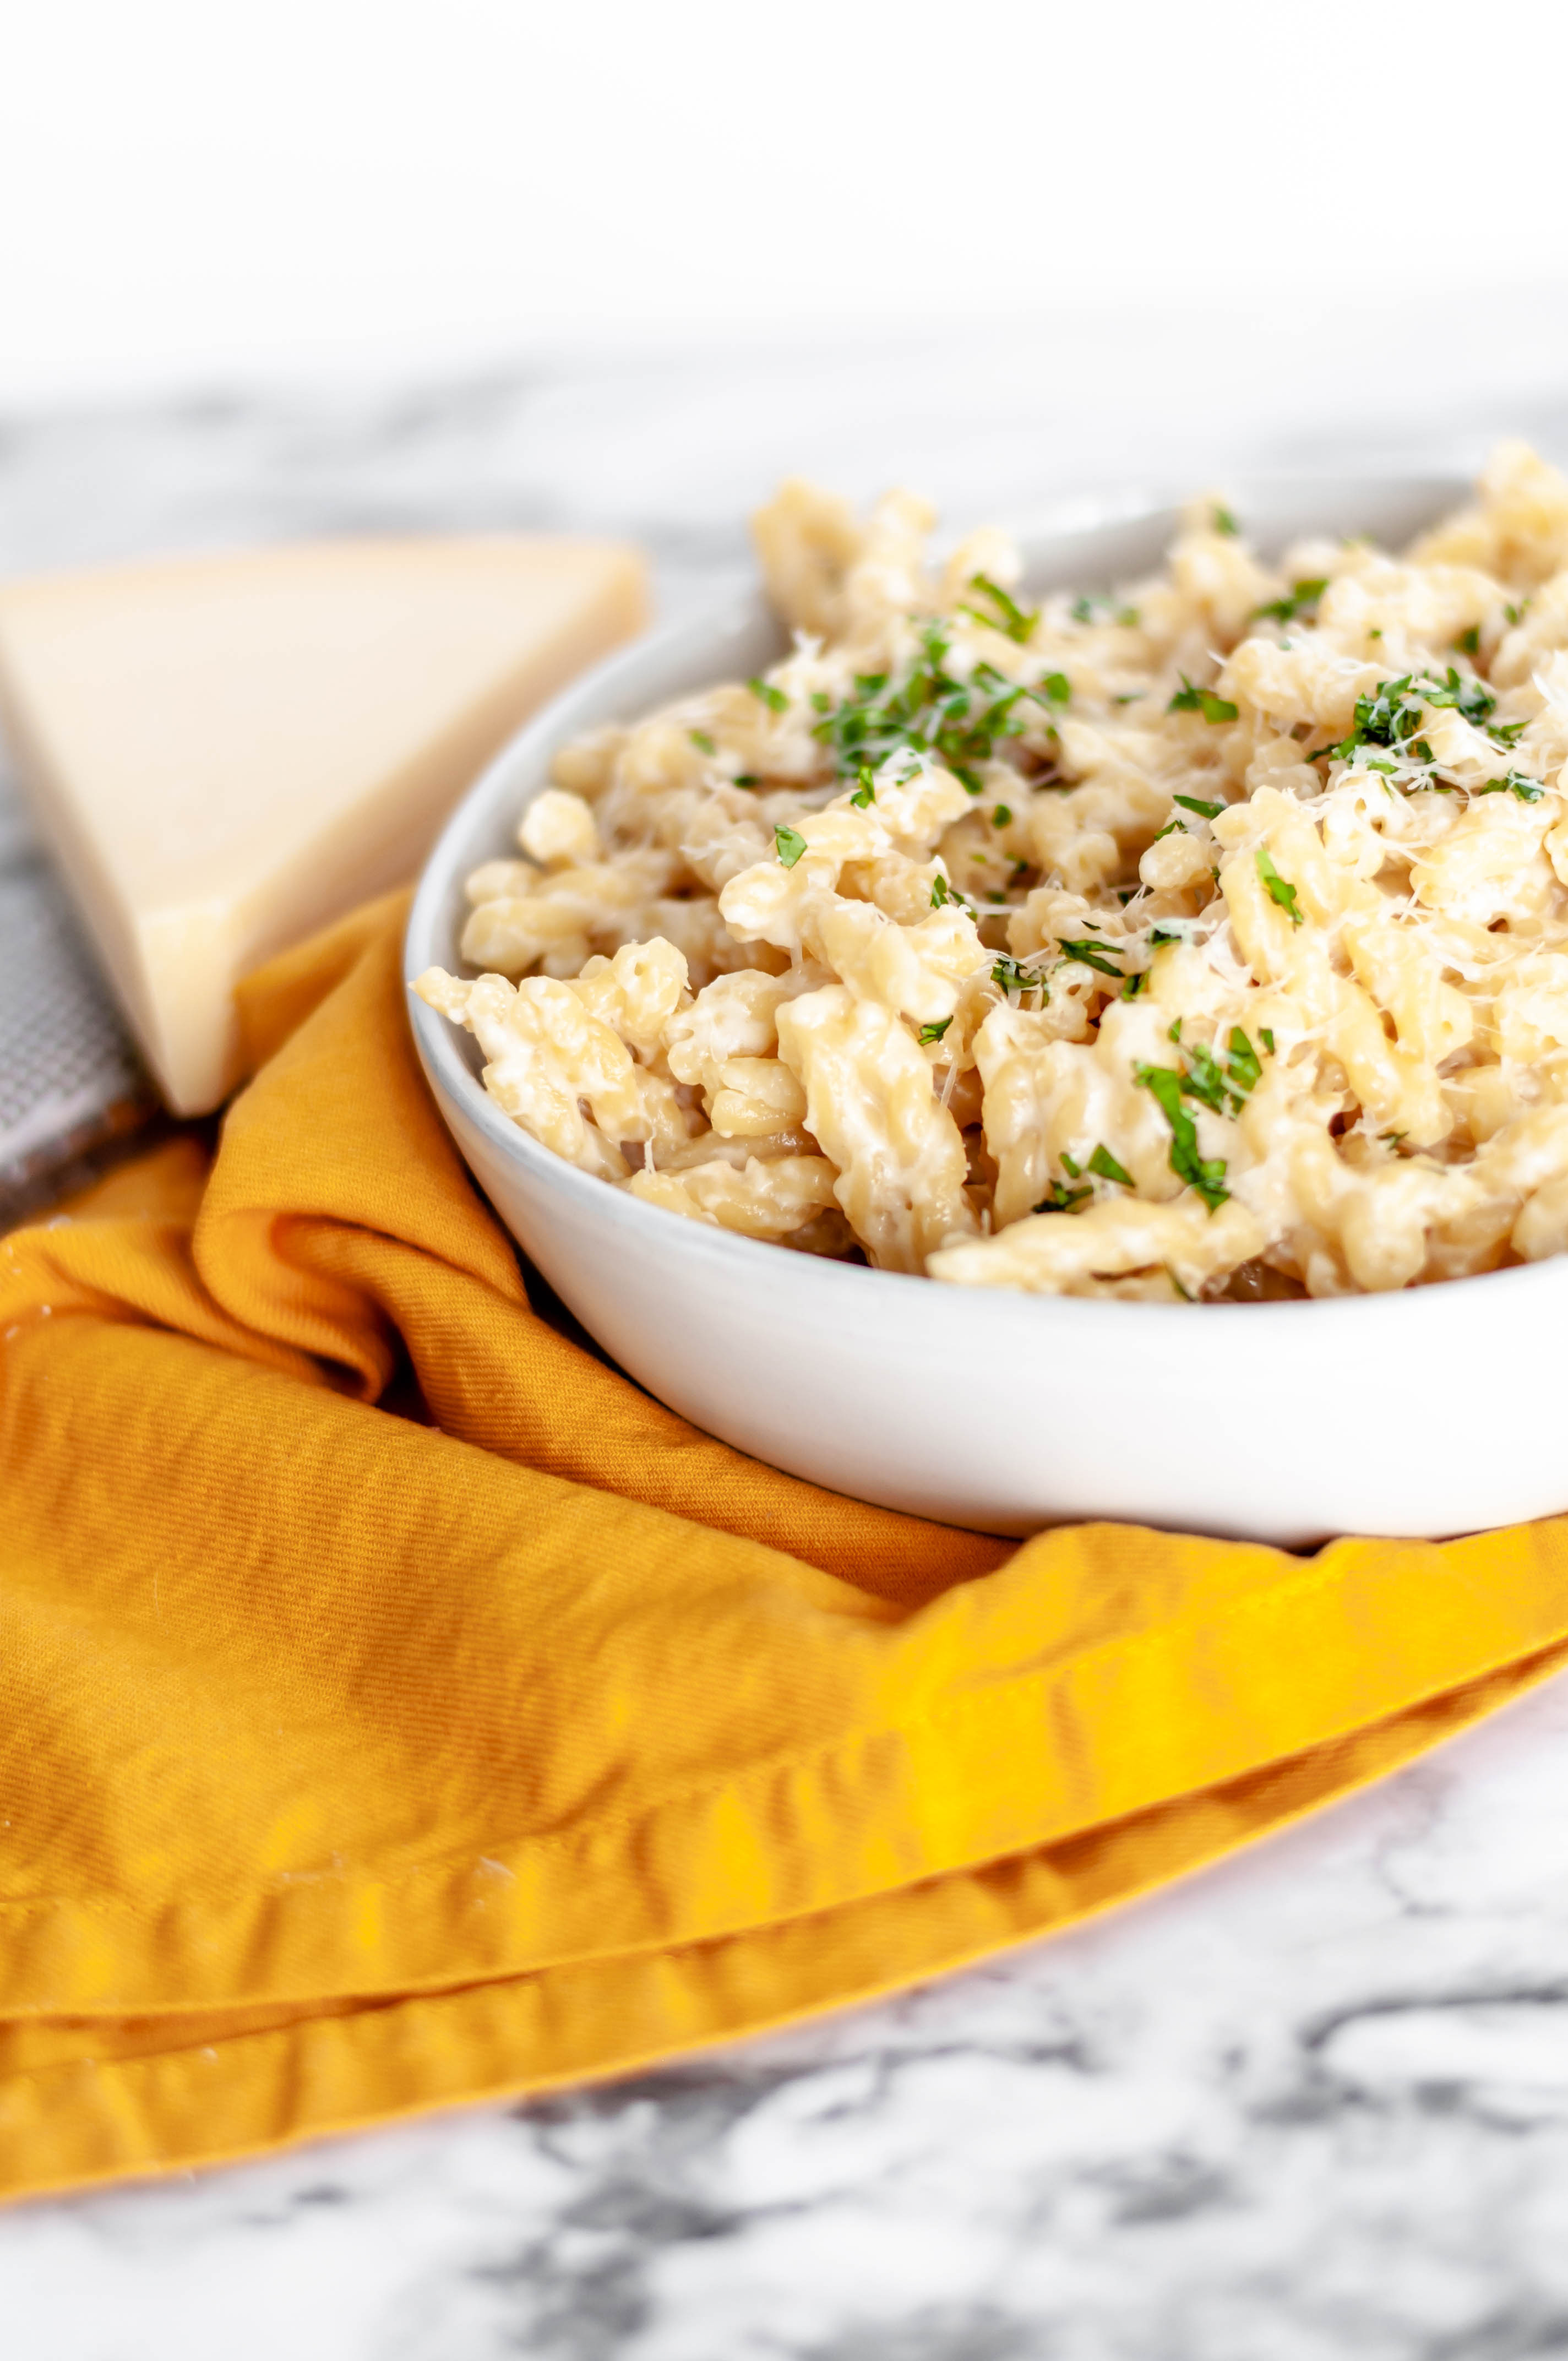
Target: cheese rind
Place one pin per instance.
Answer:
(226, 753)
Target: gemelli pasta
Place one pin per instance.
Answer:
(1205, 939)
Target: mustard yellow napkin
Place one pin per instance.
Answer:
(396, 1706)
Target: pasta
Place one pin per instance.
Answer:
(1205, 938)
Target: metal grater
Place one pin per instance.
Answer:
(71, 1085)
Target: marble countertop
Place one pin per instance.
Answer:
(1313, 2103)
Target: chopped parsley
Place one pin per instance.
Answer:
(1222, 520)
(1206, 1174)
(1059, 1200)
(1242, 1067)
(1055, 686)
(929, 1033)
(1189, 699)
(1468, 644)
(1390, 715)
(943, 891)
(702, 742)
(1221, 1087)
(789, 844)
(1470, 697)
(865, 793)
(1205, 1079)
(1083, 610)
(1278, 890)
(1517, 783)
(1001, 817)
(1092, 955)
(1010, 975)
(773, 698)
(1136, 984)
(1267, 1037)
(1103, 1163)
(926, 712)
(1514, 615)
(1016, 622)
(1302, 596)
(1196, 803)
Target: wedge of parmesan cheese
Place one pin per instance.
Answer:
(226, 753)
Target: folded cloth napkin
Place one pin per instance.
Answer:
(400, 1708)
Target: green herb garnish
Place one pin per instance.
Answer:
(930, 1033)
(789, 844)
(1204, 1079)
(1278, 890)
(1221, 1087)
(1059, 1199)
(1016, 622)
(1468, 644)
(865, 793)
(1092, 955)
(1222, 520)
(773, 698)
(1001, 817)
(1082, 611)
(1267, 1037)
(928, 711)
(1207, 1175)
(1242, 1065)
(943, 891)
(1106, 1165)
(1012, 975)
(1196, 803)
(1470, 697)
(1390, 715)
(1055, 686)
(702, 742)
(1517, 783)
(1302, 596)
(1189, 699)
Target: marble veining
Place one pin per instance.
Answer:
(1312, 2103)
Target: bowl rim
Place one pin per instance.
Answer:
(728, 615)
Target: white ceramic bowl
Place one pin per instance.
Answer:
(1441, 1411)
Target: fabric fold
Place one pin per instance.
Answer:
(399, 1706)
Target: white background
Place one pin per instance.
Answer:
(195, 193)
